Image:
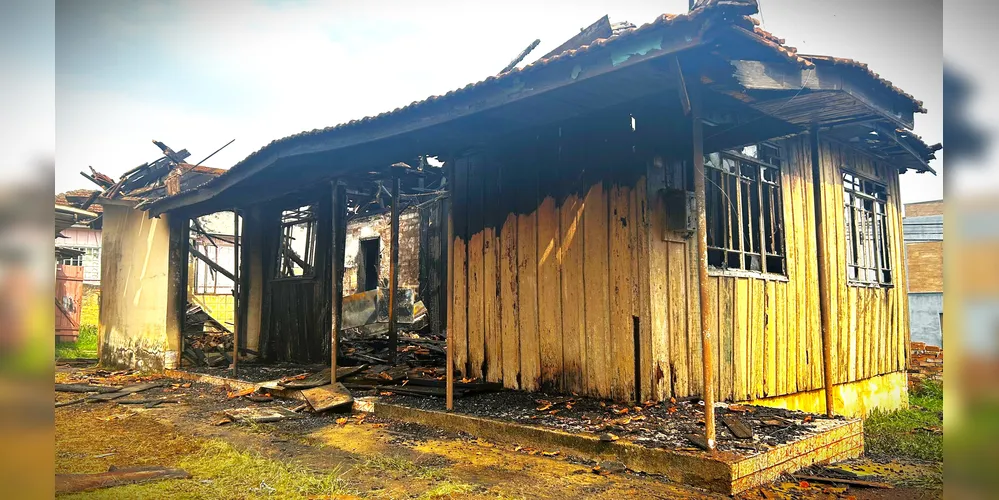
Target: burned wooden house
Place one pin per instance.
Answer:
(688, 208)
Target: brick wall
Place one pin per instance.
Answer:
(925, 363)
(379, 226)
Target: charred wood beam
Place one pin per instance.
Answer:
(599, 29)
(90, 200)
(521, 56)
(103, 184)
(198, 228)
(235, 293)
(393, 333)
(339, 251)
(212, 264)
(297, 259)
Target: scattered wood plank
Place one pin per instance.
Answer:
(261, 415)
(327, 397)
(739, 427)
(146, 401)
(132, 389)
(467, 387)
(70, 402)
(85, 388)
(73, 483)
(699, 440)
(314, 380)
(836, 480)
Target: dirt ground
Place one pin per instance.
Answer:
(359, 456)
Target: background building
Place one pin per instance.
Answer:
(922, 229)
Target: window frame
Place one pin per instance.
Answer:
(881, 249)
(767, 232)
(285, 228)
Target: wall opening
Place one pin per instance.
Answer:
(367, 269)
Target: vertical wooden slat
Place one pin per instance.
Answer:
(770, 338)
(527, 279)
(783, 375)
(741, 345)
(759, 333)
(643, 230)
(493, 211)
(622, 338)
(595, 291)
(659, 298)
(573, 312)
(791, 207)
(799, 284)
(716, 328)
(458, 327)
(676, 304)
(727, 334)
(695, 360)
(476, 285)
(549, 295)
(509, 303)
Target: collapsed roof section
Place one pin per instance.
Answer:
(167, 175)
(613, 64)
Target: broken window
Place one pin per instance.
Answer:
(744, 210)
(297, 252)
(868, 257)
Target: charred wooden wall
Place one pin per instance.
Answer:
(565, 277)
(433, 262)
(296, 314)
(546, 249)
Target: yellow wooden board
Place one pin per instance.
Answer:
(527, 283)
(458, 330)
(622, 337)
(676, 305)
(595, 291)
(549, 294)
(509, 304)
(493, 343)
(573, 316)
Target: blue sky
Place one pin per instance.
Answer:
(197, 74)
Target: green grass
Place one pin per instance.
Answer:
(220, 471)
(84, 347)
(447, 489)
(909, 433)
(408, 467)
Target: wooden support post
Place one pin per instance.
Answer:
(708, 390)
(449, 401)
(824, 292)
(393, 332)
(339, 244)
(235, 292)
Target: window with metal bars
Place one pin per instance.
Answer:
(868, 253)
(297, 250)
(744, 211)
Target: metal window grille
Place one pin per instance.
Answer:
(868, 249)
(297, 253)
(744, 210)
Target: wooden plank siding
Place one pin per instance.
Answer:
(595, 297)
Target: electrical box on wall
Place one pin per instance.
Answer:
(681, 212)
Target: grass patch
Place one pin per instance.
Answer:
(447, 490)
(84, 347)
(408, 467)
(221, 471)
(909, 433)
